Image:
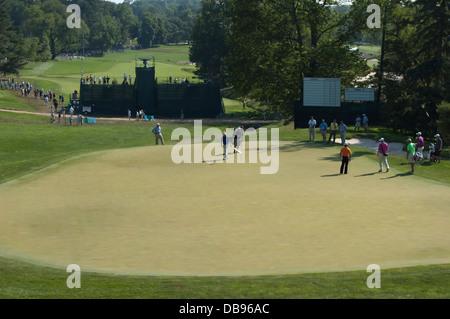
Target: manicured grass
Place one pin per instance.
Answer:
(64, 76)
(23, 280)
(24, 118)
(9, 100)
(235, 107)
(437, 172)
(375, 49)
(25, 148)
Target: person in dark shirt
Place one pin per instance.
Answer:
(437, 149)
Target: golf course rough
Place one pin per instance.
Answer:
(134, 211)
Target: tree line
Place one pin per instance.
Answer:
(264, 49)
(41, 24)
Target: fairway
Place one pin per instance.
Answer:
(133, 211)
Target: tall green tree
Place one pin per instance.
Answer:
(128, 22)
(149, 29)
(209, 36)
(105, 33)
(11, 56)
(417, 65)
(274, 44)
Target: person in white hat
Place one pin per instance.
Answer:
(419, 147)
(158, 133)
(382, 154)
(437, 149)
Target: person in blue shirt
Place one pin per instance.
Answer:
(158, 133)
(323, 129)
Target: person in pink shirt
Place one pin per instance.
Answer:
(382, 154)
(419, 147)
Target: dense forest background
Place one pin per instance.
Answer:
(105, 25)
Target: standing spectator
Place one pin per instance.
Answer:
(410, 151)
(100, 79)
(170, 79)
(312, 128)
(70, 120)
(342, 131)
(357, 123)
(130, 78)
(238, 136)
(137, 115)
(158, 133)
(124, 77)
(365, 122)
(244, 102)
(71, 110)
(346, 156)
(382, 154)
(437, 149)
(52, 117)
(323, 129)
(419, 147)
(129, 115)
(225, 144)
(333, 128)
(264, 113)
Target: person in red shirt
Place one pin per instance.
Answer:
(346, 156)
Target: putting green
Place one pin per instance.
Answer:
(133, 211)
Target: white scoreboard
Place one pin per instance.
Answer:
(359, 94)
(322, 92)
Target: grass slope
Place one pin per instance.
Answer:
(24, 280)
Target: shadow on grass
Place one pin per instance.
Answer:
(368, 174)
(331, 175)
(398, 175)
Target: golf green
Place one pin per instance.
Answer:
(134, 211)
